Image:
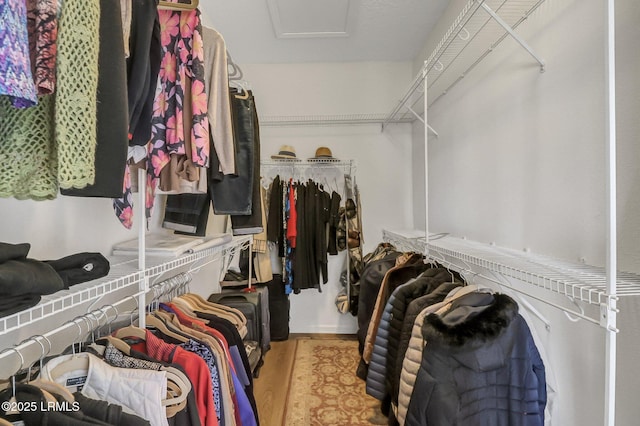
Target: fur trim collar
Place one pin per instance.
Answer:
(484, 326)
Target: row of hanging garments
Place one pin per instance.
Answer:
(438, 350)
(89, 87)
(188, 366)
(303, 221)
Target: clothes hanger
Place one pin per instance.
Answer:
(75, 362)
(46, 385)
(131, 330)
(195, 333)
(178, 386)
(13, 403)
(240, 85)
(227, 312)
(185, 307)
(236, 81)
(236, 71)
(153, 321)
(167, 5)
(109, 323)
(198, 303)
(171, 321)
(119, 344)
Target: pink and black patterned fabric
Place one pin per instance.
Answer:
(181, 80)
(42, 26)
(174, 122)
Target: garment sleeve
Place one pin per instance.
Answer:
(539, 372)
(378, 366)
(199, 101)
(219, 106)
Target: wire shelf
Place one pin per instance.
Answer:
(161, 266)
(471, 37)
(294, 167)
(123, 274)
(580, 282)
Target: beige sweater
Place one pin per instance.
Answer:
(216, 79)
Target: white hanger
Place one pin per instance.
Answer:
(76, 362)
(236, 71)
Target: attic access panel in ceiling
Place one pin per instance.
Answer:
(312, 18)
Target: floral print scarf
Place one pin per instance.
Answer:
(182, 64)
(181, 80)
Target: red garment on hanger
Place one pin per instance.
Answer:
(201, 326)
(292, 229)
(194, 367)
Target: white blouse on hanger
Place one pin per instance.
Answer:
(138, 391)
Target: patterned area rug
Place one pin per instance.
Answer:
(324, 388)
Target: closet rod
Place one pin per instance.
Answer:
(30, 351)
(462, 270)
(58, 339)
(348, 167)
(325, 120)
(454, 45)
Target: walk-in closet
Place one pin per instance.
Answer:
(312, 212)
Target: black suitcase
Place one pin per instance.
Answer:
(279, 307)
(254, 305)
(262, 292)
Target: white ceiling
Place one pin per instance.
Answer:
(290, 31)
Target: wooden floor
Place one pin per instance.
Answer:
(270, 388)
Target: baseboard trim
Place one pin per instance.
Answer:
(319, 329)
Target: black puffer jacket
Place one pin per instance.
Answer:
(370, 282)
(427, 282)
(412, 312)
(480, 367)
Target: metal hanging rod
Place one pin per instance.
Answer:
(583, 283)
(325, 120)
(26, 353)
(123, 275)
(347, 166)
(469, 39)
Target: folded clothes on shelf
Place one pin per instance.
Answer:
(158, 244)
(24, 280)
(169, 244)
(80, 267)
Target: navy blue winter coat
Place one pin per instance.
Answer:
(480, 367)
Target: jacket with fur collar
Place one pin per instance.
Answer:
(480, 367)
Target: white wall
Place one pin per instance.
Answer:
(382, 174)
(520, 162)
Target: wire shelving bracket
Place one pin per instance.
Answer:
(471, 37)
